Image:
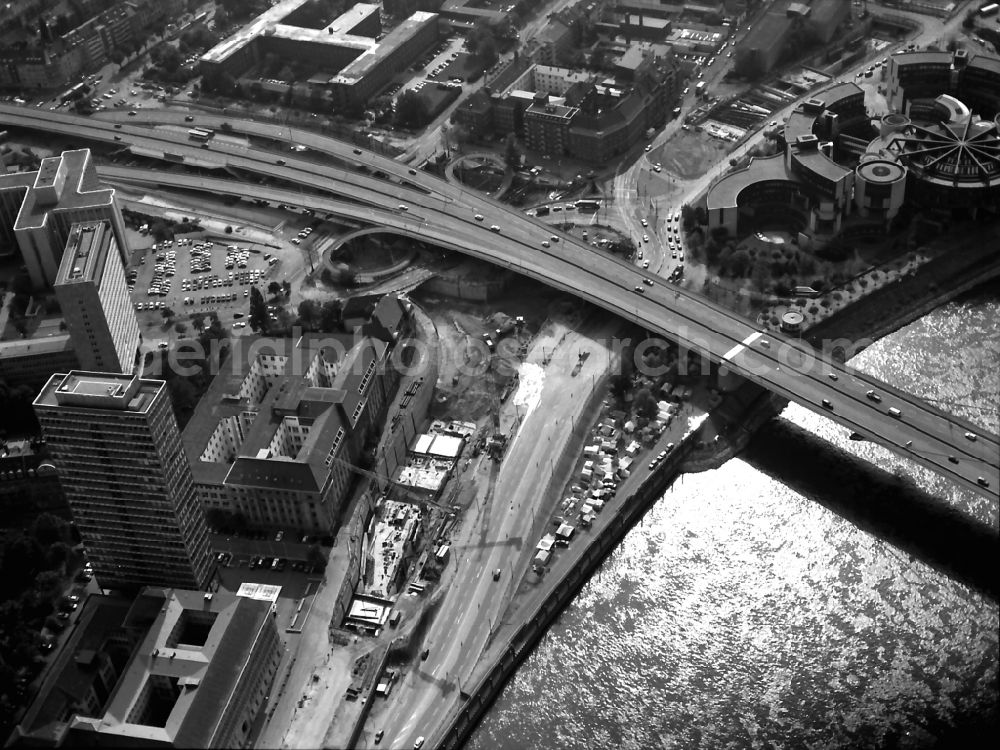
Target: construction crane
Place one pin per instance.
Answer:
(402, 493)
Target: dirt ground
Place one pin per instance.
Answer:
(466, 388)
(688, 154)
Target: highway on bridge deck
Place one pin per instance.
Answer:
(417, 204)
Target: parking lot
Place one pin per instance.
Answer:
(197, 275)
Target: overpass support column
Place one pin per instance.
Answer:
(723, 378)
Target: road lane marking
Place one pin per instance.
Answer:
(746, 342)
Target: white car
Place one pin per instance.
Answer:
(644, 223)
(645, 238)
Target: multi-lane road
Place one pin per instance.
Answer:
(414, 203)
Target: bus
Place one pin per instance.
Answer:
(588, 205)
(200, 134)
(77, 92)
(989, 10)
(699, 88)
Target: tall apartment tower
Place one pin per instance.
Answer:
(95, 302)
(37, 210)
(114, 440)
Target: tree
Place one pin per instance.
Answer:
(48, 583)
(511, 153)
(167, 313)
(644, 403)
(411, 110)
(760, 276)
(181, 328)
(21, 284)
(48, 529)
(274, 288)
(258, 311)
(619, 385)
(286, 288)
(309, 312)
(117, 56)
(315, 556)
(331, 316)
(198, 321)
(739, 263)
(56, 555)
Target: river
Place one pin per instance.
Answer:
(743, 615)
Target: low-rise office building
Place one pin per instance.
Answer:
(936, 151)
(171, 669)
(353, 59)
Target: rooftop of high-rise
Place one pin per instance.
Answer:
(99, 390)
(62, 182)
(87, 250)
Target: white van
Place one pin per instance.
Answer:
(894, 412)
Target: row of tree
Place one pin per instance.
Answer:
(34, 566)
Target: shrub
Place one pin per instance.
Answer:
(813, 310)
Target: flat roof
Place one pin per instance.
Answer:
(819, 163)
(377, 51)
(726, 191)
(82, 189)
(69, 679)
(99, 390)
(38, 346)
(338, 33)
(283, 366)
(86, 253)
(207, 673)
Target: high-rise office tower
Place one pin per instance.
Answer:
(37, 210)
(114, 440)
(95, 302)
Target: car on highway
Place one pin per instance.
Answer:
(657, 167)
(872, 396)
(495, 228)
(496, 574)
(403, 207)
(379, 735)
(645, 238)
(640, 290)
(645, 264)
(827, 404)
(970, 436)
(189, 118)
(648, 148)
(644, 222)
(478, 217)
(545, 243)
(832, 375)
(357, 152)
(418, 743)
(982, 482)
(647, 282)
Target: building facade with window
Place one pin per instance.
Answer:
(38, 209)
(275, 437)
(94, 299)
(115, 443)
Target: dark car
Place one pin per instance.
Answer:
(872, 396)
(189, 118)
